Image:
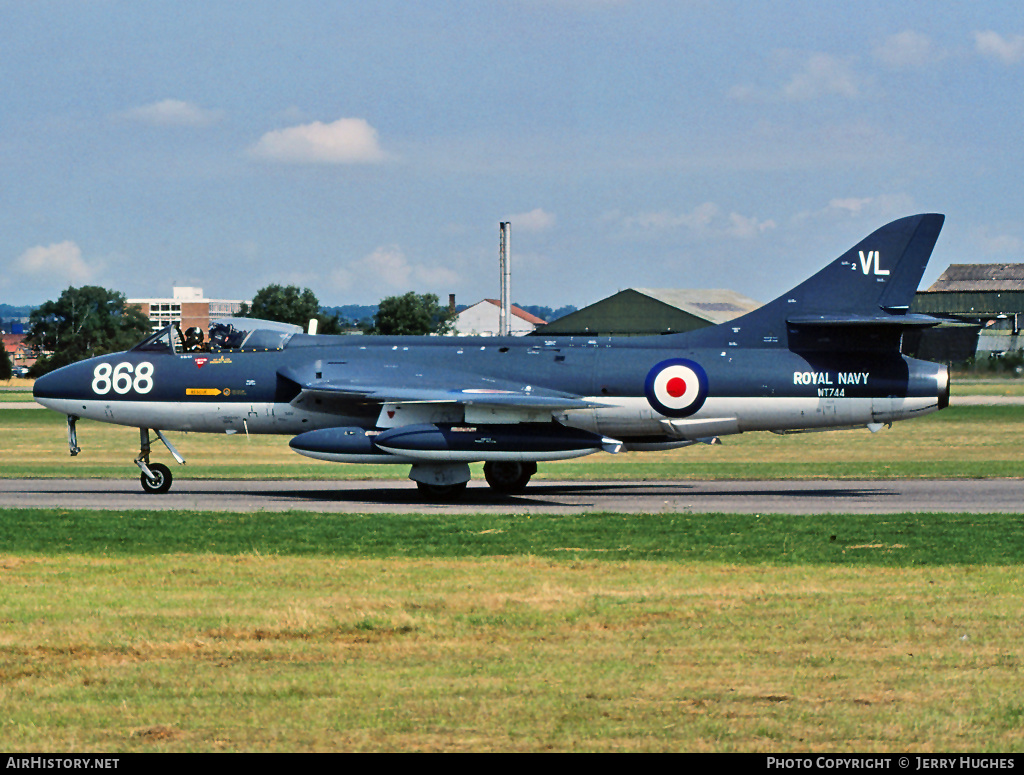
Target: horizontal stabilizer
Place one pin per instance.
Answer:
(910, 321)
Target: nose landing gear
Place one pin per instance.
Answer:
(156, 477)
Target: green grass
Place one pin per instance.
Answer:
(898, 540)
(16, 397)
(125, 632)
(974, 386)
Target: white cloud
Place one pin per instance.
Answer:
(387, 270)
(697, 219)
(907, 49)
(881, 207)
(173, 113)
(345, 141)
(818, 75)
(850, 205)
(822, 75)
(61, 261)
(706, 220)
(746, 227)
(1008, 50)
(533, 221)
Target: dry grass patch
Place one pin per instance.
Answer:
(286, 653)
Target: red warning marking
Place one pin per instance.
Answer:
(676, 387)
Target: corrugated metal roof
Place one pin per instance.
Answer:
(980, 277)
(716, 305)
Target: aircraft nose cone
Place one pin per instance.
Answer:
(72, 381)
(45, 385)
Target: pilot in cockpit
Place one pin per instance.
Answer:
(194, 339)
(224, 336)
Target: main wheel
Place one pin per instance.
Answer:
(508, 476)
(442, 492)
(161, 481)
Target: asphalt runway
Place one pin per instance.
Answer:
(541, 497)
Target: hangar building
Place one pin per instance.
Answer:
(985, 306)
(644, 311)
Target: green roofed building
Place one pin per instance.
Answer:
(976, 297)
(645, 311)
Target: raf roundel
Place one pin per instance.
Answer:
(677, 387)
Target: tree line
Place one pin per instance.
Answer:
(409, 314)
(89, 321)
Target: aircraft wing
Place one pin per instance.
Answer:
(535, 399)
(472, 397)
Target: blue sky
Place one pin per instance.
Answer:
(364, 149)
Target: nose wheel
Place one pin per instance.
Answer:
(160, 482)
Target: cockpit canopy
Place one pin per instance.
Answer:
(225, 335)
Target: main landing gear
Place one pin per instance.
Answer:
(508, 476)
(441, 492)
(156, 477)
(447, 481)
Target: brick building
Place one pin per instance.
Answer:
(188, 308)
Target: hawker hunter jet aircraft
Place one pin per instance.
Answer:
(824, 355)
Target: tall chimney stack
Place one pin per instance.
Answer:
(505, 313)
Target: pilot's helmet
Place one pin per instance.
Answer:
(219, 333)
(194, 334)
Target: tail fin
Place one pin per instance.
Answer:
(860, 301)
